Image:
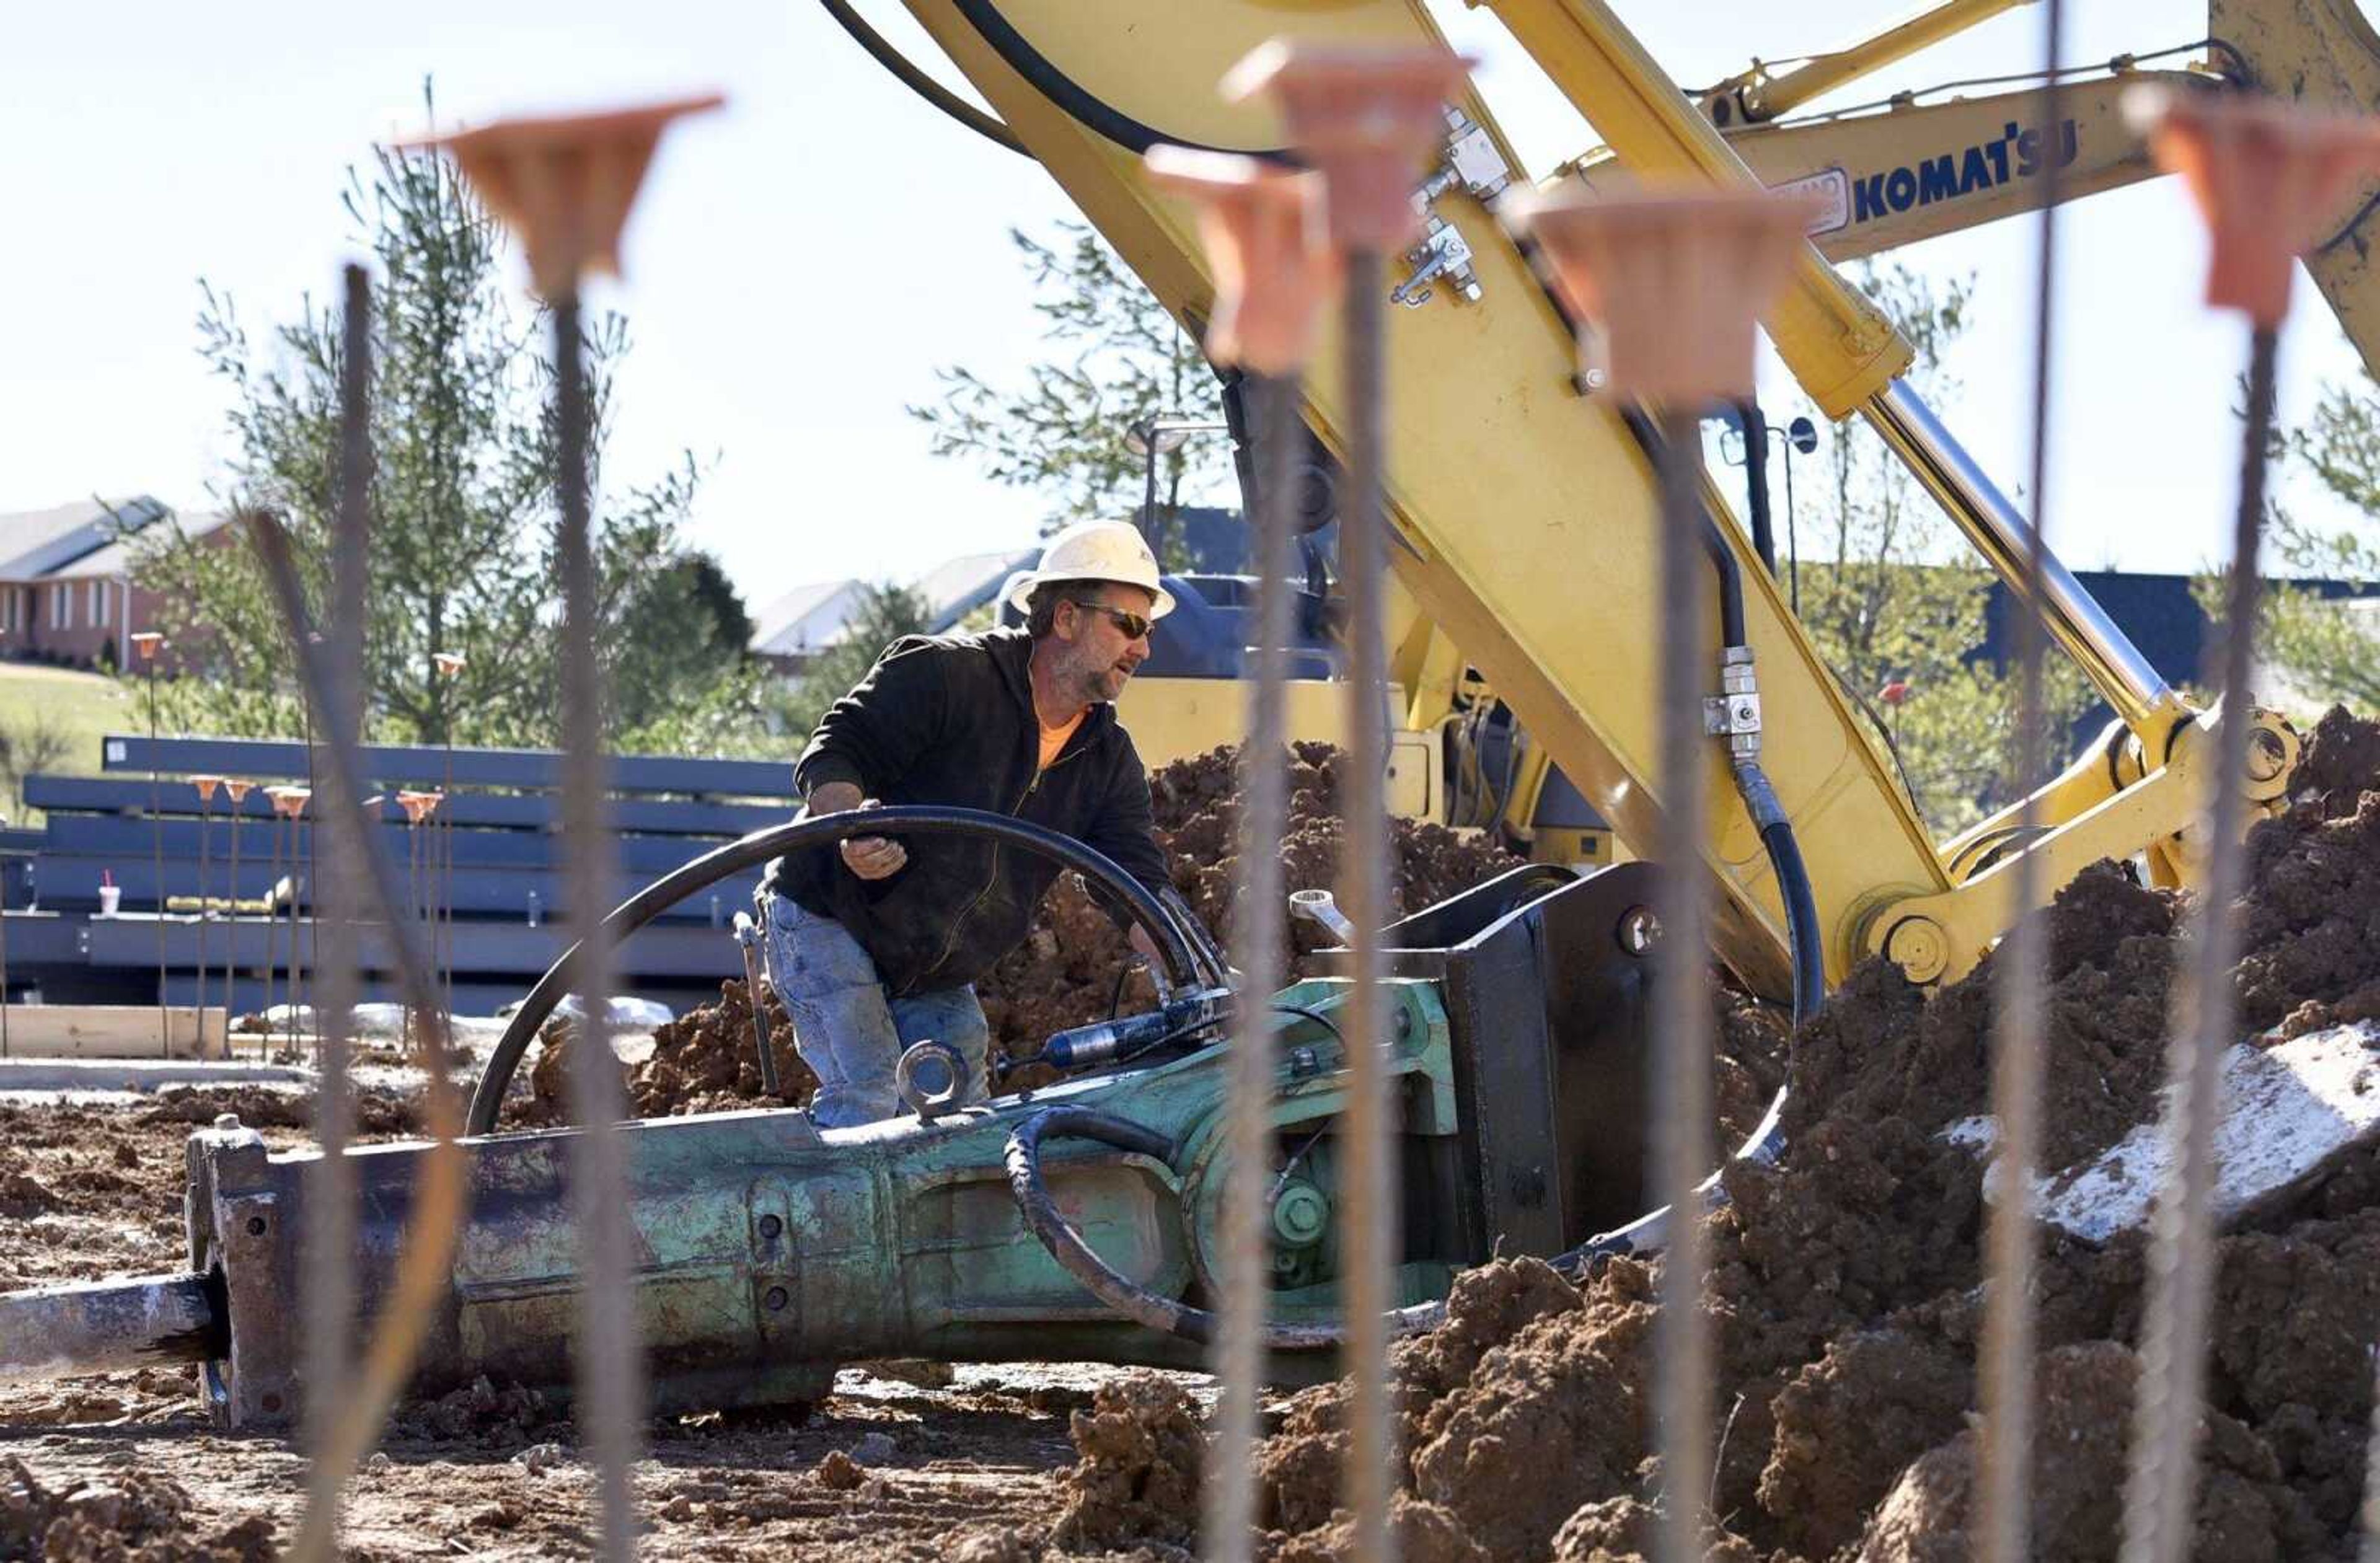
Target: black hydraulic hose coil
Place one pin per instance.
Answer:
(1174, 942)
(1136, 1303)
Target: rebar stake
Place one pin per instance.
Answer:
(1675, 283)
(1364, 116)
(1272, 270)
(566, 188)
(207, 786)
(2267, 179)
(448, 665)
(2019, 1016)
(145, 645)
(237, 791)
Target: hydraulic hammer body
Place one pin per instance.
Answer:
(767, 1251)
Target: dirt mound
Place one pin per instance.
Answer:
(1070, 969)
(702, 1061)
(138, 1518)
(1138, 1480)
(2310, 939)
(378, 1111)
(1846, 1282)
(1065, 972)
(481, 1414)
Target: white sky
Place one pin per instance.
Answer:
(802, 262)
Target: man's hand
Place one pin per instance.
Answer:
(870, 857)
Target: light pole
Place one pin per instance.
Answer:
(1152, 437)
(1800, 437)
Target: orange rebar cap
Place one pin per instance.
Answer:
(1261, 226)
(288, 802)
(565, 184)
(1673, 280)
(1365, 115)
(206, 787)
(2268, 176)
(237, 788)
(418, 806)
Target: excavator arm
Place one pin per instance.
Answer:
(1521, 507)
(1523, 512)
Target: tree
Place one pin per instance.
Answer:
(1121, 360)
(2325, 650)
(1889, 599)
(885, 613)
(465, 515)
(31, 743)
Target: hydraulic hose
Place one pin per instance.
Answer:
(1134, 1301)
(1183, 949)
(1766, 1142)
(1084, 106)
(988, 127)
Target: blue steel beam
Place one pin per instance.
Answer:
(529, 811)
(417, 766)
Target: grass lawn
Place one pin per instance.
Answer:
(80, 706)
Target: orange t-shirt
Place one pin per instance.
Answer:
(1054, 738)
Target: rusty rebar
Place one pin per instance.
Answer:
(206, 867)
(2020, 1006)
(1683, 1086)
(272, 934)
(610, 1366)
(1369, 1249)
(157, 866)
(329, 1238)
(2161, 1486)
(425, 1256)
(1258, 932)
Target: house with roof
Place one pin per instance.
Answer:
(66, 589)
(790, 631)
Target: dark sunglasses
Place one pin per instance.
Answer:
(1132, 624)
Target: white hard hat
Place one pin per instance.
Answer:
(1094, 551)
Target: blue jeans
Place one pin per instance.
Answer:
(847, 1029)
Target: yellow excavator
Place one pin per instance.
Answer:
(1522, 503)
(1523, 518)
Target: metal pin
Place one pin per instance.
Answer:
(237, 791)
(1273, 273)
(2006, 1369)
(146, 646)
(1674, 281)
(329, 1256)
(206, 787)
(1364, 116)
(271, 923)
(566, 186)
(449, 666)
(2265, 177)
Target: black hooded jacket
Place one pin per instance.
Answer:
(948, 720)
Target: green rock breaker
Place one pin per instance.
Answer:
(1077, 1222)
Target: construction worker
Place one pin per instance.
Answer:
(876, 945)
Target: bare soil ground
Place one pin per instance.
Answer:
(1845, 1296)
